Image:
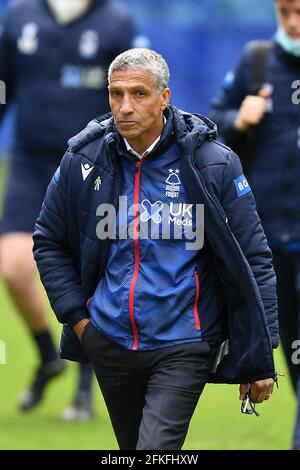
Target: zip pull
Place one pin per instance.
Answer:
(276, 378)
(137, 166)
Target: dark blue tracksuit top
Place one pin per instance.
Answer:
(153, 293)
(57, 74)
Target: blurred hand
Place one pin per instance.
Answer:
(80, 326)
(260, 390)
(252, 109)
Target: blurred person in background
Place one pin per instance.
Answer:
(258, 107)
(53, 59)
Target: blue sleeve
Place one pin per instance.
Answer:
(56, 266)
(225, 106)
(239, 205)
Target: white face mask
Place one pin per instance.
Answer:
(291, 46)
(66, 11)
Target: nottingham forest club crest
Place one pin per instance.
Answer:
(89, 44)
(173, 184)
(28, 41)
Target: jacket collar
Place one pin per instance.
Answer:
(187, 129)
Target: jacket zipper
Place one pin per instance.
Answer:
(196, 311)
(136, 246)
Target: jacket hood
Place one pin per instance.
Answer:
(95, 128)
(188, 123)
(185, 125)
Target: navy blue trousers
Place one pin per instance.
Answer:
(150, 395)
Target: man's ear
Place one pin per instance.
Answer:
(165, 98)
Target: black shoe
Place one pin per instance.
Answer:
(44, 374)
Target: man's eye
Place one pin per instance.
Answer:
(115, 93)
(140, 93)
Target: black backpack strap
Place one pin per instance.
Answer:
(258, 59)
(244, 144)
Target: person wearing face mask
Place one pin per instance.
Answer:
(53, 60)
(265, 116)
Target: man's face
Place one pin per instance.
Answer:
(288, 13)
(136, 104)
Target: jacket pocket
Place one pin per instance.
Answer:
(70, 346)
(83, 334)
(197, 297)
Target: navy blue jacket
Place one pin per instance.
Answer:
(71, 259)
(57, 74)
(160, 289)
(275, 174)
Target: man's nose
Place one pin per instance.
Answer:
(126, 106)
(293, 22)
